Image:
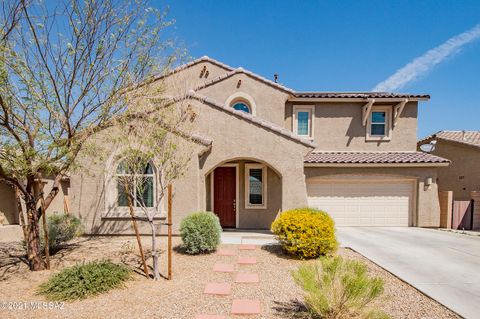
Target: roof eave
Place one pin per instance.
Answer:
(355, 99)
(366, 165)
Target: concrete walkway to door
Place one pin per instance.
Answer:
(443, 265)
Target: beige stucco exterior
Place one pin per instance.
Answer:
(462, 176)
(426, 210)
(265, 138)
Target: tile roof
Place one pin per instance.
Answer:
(359, 95)
(373, 158)
(251, 118)
(470, 138)
(250, 74)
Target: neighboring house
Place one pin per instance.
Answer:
(462, 176)
(264, 148)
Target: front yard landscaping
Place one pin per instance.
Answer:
(183, 297)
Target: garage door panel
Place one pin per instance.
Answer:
(372, 203)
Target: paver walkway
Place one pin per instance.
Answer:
(239, 306)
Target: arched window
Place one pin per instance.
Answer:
(241, 101)
(241, 106)
(138, 182)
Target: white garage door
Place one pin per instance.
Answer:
(363, 203)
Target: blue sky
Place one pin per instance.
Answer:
(343, 46)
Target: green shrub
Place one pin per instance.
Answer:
(305, 232)
(84, 280)
(200, 232)
(61, 228)
(338, 288)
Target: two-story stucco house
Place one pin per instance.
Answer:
(267, 148)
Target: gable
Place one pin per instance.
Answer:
(269, 100)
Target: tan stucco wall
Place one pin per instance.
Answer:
(338, 127)
(7, 204)
(9, 207)
(189, 78)
(427, 211)
(269, 101)
(234, 139)
(465, 162)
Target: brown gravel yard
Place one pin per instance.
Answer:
(183, 296)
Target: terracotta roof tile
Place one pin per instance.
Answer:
(470, 138)
(365, 95)
(373, 158)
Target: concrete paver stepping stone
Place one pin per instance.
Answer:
(246, 260)
(218, 267)
(210, 317)
(225, 252)
(246, 247)
(246, 278)
(246, 307)
(218, 289)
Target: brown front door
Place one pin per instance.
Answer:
(224, 195)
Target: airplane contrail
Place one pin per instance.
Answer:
(424, 63)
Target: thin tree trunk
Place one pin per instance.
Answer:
(154, 251)
(33, 243)
(135, 228)
(169, 221)
(45, 233)
(21, 217)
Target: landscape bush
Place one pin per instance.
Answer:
(335, 288)
(61, 228)
(305, 232)
(84, 280)
(200, 232)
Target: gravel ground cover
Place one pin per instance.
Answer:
(183, 296)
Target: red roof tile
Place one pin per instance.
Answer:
(470, 138)
(365, 95)
(373, 158)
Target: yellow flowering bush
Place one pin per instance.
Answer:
(305, 232)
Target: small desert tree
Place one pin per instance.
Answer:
(64, 70)
(154, 152)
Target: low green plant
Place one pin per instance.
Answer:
(84, 280)
(200, 233)
(61, 228)
(335, 288)
(305, 232)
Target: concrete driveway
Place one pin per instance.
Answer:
(443, 265)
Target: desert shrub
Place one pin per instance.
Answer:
(62, 228)
(338, 288)
(200, 232)
(84, 280)
(305, 232)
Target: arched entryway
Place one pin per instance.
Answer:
(244, 193)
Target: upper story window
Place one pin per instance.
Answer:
(139, 183)
(241, 101)
(255, 186)
(379, 123)
(303, 120)
(241, 106)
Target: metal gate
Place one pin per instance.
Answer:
(462, 214)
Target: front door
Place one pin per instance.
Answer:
(224, 195)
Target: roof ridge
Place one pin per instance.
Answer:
(249, 73)
(251, 118)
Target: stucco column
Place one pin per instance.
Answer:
(476, 209)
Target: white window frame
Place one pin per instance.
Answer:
(244, 98)
(247, 186)
(152, 175)
(311, 116)
(388, 124)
